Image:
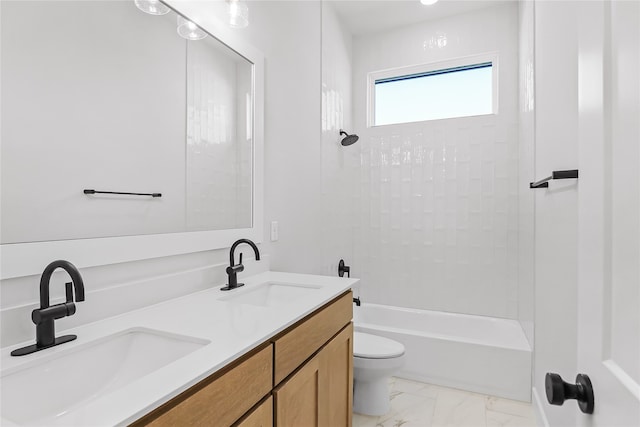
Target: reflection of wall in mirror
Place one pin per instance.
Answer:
(99, 102)
(76, 115)
(218, 139)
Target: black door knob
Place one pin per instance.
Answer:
(558, 391)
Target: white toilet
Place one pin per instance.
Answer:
(375, 359)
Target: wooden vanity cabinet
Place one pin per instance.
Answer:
(320, 392)
(299, 342)
(303, 377)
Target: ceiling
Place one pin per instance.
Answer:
(370, 16)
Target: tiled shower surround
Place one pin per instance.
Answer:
(436, 214)
(436, 202)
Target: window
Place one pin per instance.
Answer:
(433, 91)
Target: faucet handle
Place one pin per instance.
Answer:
(69, 291)
(240, 258)
(57, 311)
(68, 287)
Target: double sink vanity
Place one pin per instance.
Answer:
(277, 351)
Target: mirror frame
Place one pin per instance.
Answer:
(25, 259)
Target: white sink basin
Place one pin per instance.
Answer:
(41, 392)
(270, 294)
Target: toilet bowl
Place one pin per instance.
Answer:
(375, 359)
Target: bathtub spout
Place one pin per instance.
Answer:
(357, 301)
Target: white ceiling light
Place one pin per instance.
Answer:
(189, 30)
(152, 7)
(428, 2)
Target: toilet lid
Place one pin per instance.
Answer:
(375, 347)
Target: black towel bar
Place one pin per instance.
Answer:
(544, 183)
(90, 191)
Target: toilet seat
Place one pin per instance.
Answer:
(369, 346)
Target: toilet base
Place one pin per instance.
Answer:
(371, 397)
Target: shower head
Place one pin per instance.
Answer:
(348, 139)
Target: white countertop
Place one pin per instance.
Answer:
(233, 329)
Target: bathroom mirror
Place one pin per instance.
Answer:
(119, 101)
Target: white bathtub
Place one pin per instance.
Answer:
(475, 353)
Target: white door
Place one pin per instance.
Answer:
(609, 210)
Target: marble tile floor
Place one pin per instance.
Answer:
(416, 404)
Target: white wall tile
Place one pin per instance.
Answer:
(434, 197)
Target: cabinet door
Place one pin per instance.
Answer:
(299, 399)
(262, 416)
(336, 379)
(320, 394)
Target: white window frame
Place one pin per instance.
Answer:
(373, 76)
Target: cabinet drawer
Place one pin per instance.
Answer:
(221, 399)
(298, 344)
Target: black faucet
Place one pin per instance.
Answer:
(46, 314)
(356, 301)
(233, 269)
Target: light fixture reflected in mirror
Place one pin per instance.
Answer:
(438, 41)
(238, 13)
(152, 7)
(428, 2)
(189, 30)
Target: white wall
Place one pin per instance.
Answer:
(556, 214)
(436, 208)
(338, 162)
(114, 108)
(526, 173)
(288, 33)
(218, 146)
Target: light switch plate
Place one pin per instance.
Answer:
(274, 231)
